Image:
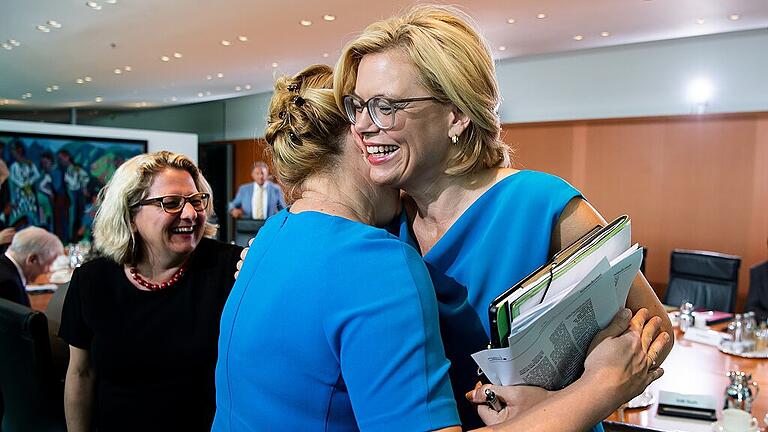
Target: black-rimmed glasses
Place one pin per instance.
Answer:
(382, 110)
(175, 203)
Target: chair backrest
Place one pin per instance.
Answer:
(706, 279)
(59, 348)
(33, 399)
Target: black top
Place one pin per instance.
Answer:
(153, 352)
(757, 298)
(11, 287)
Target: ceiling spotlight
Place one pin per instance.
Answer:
(700, 21)
(54, 24)
(49, 89)
(242, 38)
(199, 94)
(510, 20)
(110, 2)
(578, 37)
(6, 46)
(502, 48)
(88, 79)
(14, 42)
(118, 71)
(541, 16)
(238, 88)
(306, 23)
(174, 98)
(325, 55)
(274, 65)
(165, 58)
(734, 17)
(127, 69)
(93, 5)
(143, 104)
(43, 28)
(177, 55)
(328, 17)
(98, 99)
(604, 34)
(79, 81)
(247, 86)
(226, 43)
(219, 75)
(55, 87)
(208, 77)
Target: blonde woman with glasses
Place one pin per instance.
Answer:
(142, 318)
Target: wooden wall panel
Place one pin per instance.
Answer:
(246, 152)
(695, 182)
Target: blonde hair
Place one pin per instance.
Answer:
(112, 233)
(454, 65)
(305, 129)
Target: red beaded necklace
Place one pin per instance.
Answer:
(153, 286)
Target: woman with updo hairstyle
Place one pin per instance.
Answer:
(421, 91)
(141, 319)
(332, 324)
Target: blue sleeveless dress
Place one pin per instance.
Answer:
(500, 239)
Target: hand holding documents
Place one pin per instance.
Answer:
(542, 327)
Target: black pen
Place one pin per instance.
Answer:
(492, 401)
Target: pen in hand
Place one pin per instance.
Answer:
(492, 401)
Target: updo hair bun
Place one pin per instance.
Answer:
(305, 129)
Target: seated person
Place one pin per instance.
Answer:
(757, 299)
(30, 254)
(258, 200)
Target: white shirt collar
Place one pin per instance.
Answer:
(18, 268)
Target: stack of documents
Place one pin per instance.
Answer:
(542, 327)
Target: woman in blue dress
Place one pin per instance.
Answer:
(333, 324)
(422, 94)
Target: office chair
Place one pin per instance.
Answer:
(707, 279)
(33, 398)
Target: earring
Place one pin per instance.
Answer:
(455, 139)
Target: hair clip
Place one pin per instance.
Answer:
(281, 115)
(293, 87)
(294, 138)
(299, 101)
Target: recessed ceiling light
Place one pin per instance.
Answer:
(110, 2)
(88, 79)
(541, 16)
(177, 55)
(49, 89)
(165, 58)
(174, 98)
(242, 38)
(6, 46)
(502, 48)
(578, 37)
(325, 55)
(226, 42)
(127, 69)
(247, 86)
(604, 34)
(734, 17)
(143, 104)
(219, 75)
(79, 81)
(93, 5)
(274, 65)
(700, 21)
(55, 87)
(118, 71)
(209, 77)
(98, 99)
(14, 42)
(54, 24)
(306, 23)
(43, 28)
(238, 88)
(199, 94)
(329, 17)
(510, 20)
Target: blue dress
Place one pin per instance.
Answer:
(332, 325)
(501, 238)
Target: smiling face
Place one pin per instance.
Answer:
(169, 237)
(416, 149)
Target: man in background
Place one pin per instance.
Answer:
(258, 200)
(757, 299)
(30, 254)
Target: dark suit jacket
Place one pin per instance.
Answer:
(757, 299)
(11, 287)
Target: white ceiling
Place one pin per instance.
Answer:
(137, 33)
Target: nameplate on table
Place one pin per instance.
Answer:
(41, 288)
(701, 407)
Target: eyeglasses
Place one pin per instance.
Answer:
(175, 203)
(382, 110)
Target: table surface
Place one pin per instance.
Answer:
(695, 368)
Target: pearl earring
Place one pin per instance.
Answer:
(455, 139)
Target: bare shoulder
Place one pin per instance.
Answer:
(577, 218)
(502, 173)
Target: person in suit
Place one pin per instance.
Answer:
(258, 200)
(31, 254)
(757, 299)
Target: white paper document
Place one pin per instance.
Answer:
(548, 343)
